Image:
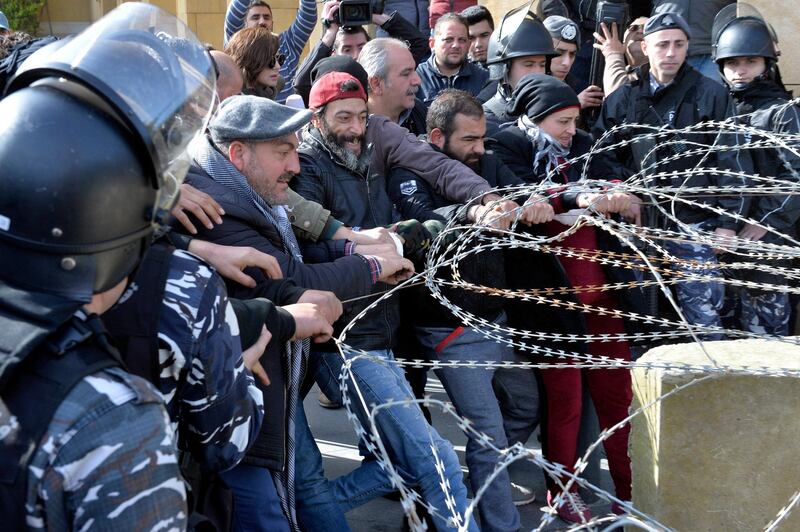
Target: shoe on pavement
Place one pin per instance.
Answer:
(324, 402)
(572, 509)
(522, 495)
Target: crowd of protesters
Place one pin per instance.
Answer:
(185, 231)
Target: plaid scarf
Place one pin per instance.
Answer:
(546, 149)
(223, 172)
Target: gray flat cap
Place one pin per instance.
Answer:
(255, 118)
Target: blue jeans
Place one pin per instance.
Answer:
(700, 301)
(706, 66)
(472, 394)
(517, 391)
(406, 436)
(257, 503)
(317, 508)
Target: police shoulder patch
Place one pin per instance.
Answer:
(408, 187)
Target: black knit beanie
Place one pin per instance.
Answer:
(539, 95)
(340, 63)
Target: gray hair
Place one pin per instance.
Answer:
(374, 56)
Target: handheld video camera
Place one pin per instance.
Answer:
(359, 12)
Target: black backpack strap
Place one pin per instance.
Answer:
(39, 385)
(134, 323)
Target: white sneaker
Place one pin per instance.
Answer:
(522, 495)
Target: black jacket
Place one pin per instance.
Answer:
(243, 225)
(495, 108)
(415, 198)
(764, 105)
(690, 99)
(415, 119)
(528, 269)
(358, 201)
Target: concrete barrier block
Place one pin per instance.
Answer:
(721, 454)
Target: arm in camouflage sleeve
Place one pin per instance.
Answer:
(310, 220)
(107, 462)
(220, 407)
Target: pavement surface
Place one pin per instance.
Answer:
(337, 442)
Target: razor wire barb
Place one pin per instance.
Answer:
(645, 254)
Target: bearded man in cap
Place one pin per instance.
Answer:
(670, 94)
(245, 163)
(336, 171)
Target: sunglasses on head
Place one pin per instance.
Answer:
(635, 27)
(279, 58)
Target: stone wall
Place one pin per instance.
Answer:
(785, 18)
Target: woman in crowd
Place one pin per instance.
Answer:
(536, 148)
(255, 50)
(745, 53)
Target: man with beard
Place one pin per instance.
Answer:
(335, 171)
(448, 68)
(245, 163)
(457, 127)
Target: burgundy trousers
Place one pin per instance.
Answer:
(611, 393)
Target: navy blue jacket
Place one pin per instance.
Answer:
(470, 78)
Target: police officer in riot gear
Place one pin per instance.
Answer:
(90, 156)
(671, 95)
(519, 45)
(744, 49)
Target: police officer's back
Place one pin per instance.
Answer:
(87, 151)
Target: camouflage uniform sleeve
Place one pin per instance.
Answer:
(107, 461)
(220, 407)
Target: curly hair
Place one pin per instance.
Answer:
(253, 49)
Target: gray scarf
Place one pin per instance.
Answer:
(546, 150)
(223, 172)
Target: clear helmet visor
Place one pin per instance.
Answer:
(151, 69)
(729, 13)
